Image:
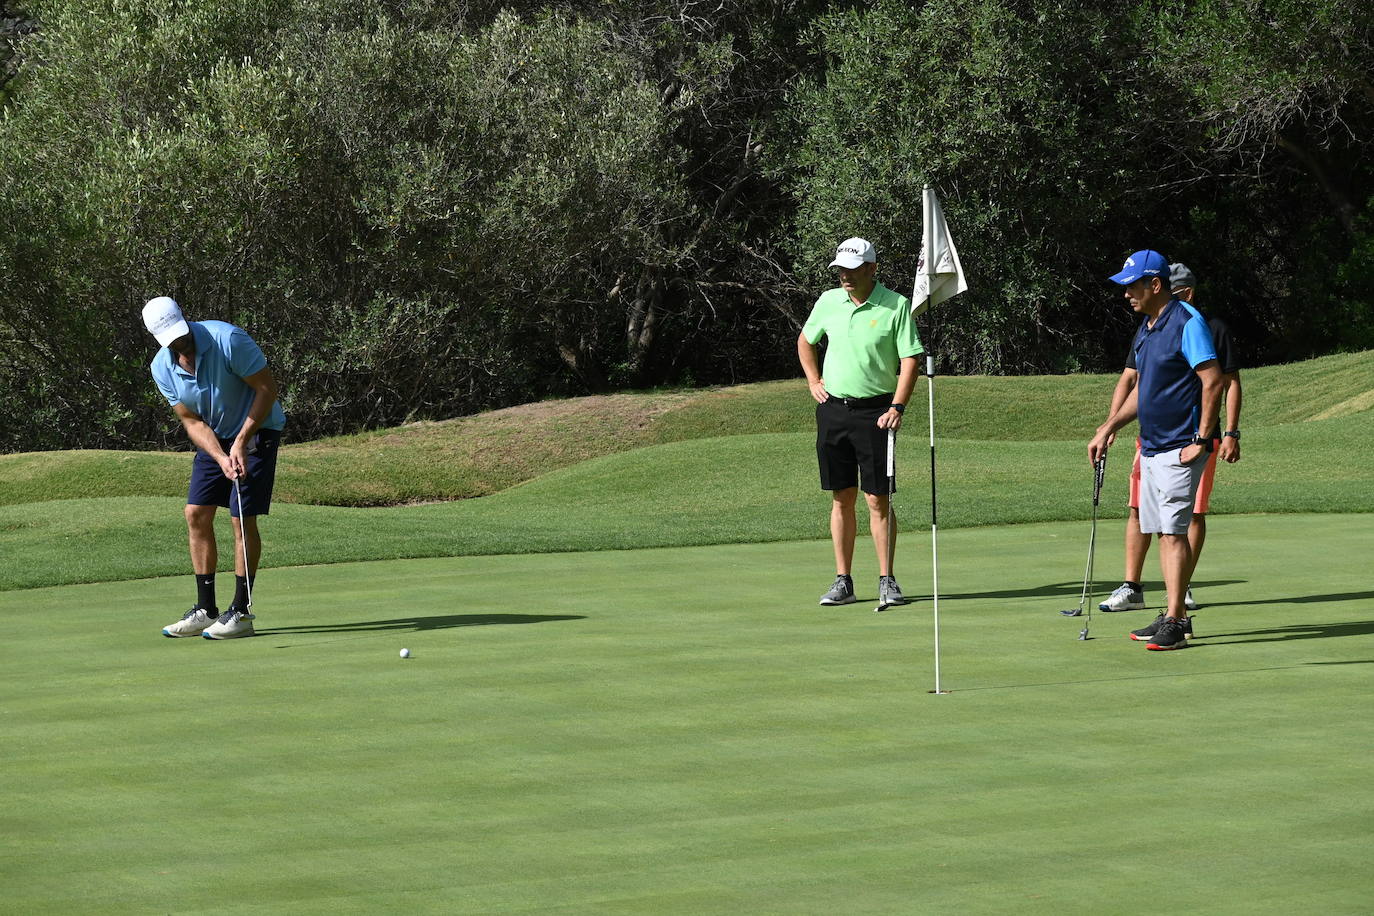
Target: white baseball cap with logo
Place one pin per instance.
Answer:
(162, 317)
(852, 252)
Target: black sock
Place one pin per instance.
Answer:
(205, 593)
(1134, 586)
(242, 585)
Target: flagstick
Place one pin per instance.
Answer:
(934, 527)
(927, 293)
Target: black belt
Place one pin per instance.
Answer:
(878, 400)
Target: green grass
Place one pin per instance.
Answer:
(732, 489)
(485, 454)
(684, 731)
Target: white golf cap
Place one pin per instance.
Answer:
(852, 252)
(162, 318)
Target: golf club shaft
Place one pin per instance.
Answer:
(243, 545)
(891, 490)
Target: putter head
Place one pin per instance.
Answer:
(1073, 612)
(1083, 634)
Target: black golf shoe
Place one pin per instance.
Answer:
(1147, 632)
(1172, 634)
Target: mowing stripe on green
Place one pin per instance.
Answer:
(684, 730)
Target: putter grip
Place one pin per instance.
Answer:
(1099, 471)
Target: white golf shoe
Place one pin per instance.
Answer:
(193, 623)
(1188, 602)
(1124, 598)
(231, 625)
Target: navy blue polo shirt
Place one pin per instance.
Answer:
(1169, 392)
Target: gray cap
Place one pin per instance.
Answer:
(1180, 275)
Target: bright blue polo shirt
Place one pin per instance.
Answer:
(1169, 391)
(217, 393)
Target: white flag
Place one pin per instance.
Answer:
(938, 272)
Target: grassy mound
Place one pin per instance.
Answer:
(701, 473)
(490, 452)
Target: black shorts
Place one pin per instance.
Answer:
(851, 445)
(209, 486)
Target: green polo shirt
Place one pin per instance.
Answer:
(867, 343)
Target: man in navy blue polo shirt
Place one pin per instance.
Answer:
(1176, 400)
(217, 381)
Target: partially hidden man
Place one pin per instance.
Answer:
(1176, 398)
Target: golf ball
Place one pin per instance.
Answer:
(405, 653)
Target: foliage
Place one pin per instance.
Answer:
(415, 218)
(427, 208)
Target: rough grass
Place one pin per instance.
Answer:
(490, 452)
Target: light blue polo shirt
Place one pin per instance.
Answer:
(1169, 392)
(217, 393)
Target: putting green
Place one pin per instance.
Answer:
(684, 731)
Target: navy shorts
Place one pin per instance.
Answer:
(850, 446)
(209, 486)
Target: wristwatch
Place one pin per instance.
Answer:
(1205, 443)
(900, 408)
(1233, 433)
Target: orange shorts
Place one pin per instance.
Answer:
(1204, 486)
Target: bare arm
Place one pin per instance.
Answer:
(906, 383)
(806, 354)
(264, 385)
(1124, 386)
(1106, 433)
(202, 436)
(1210, 374)
(1230, 447)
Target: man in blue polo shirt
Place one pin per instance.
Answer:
(1176, 400)
(217, 381)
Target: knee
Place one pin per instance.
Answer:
(200, 518)
(877, 503)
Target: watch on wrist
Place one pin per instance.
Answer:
(900, 408)
(1233, 433)
(1205, 443)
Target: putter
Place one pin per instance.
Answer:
(891, 489)
(1099, 471)
(243, 542)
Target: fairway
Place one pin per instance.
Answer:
(684, 731)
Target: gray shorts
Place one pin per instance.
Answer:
(1167, 492)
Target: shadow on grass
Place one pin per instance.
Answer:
(1148, 677)
(412, 625)
(1066, 590)
(1296, 631)
(1295, 599)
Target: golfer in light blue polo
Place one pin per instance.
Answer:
(1176, 399)
(215, 378)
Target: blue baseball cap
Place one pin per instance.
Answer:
(1146, 263)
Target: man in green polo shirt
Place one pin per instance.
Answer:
(870, 371)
